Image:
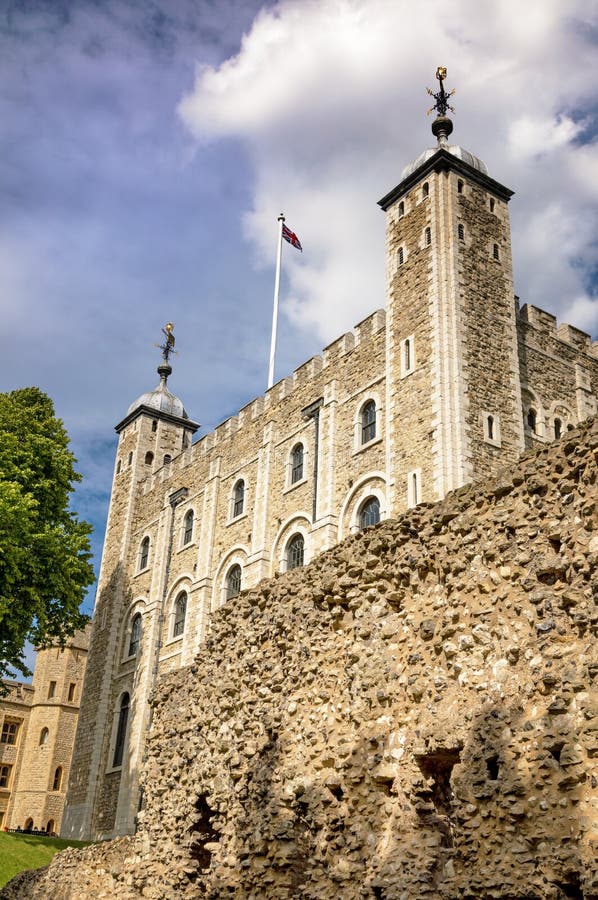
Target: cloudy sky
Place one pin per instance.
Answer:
(147, 147)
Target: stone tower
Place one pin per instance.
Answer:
(453, 400)
(155, 429)
(43, 759)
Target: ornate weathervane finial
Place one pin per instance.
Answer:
(168, 346)
(442, 125)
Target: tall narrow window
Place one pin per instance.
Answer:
(118, 467)
(490, 423)
(415, 489)
(532, 420)
(72, 688)
(400, 256)
(144, 553)
(369, 513)
(180, 612)
(425, 189)
(9, 732)
(368, 422)
(428, 237)
(57, 779)
(43, 737)
(149, 458)
(121, 730)
(297, 463)
(295, 552)
(491, 204)
(495, 251)
(50, 826)
(130, 458)
(188, 527)
(233, 582)
(51, 689)
(154, 425)
(238, 498)
(5, 776)
(135, 636)
(459, 187)
(558, 428)
(407, 355)
(401, 209)
(460, 232)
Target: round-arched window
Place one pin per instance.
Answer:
(188, 527)
(233, 582)
(144, 553)
(180, 613)
(297, 463)
(43, 738)
(368, 422)
(369, 514)
(135, 636)
(295, 552)
(238, 498)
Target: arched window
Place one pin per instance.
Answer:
(57, 779)
(459, 187)
(238, 498)
(425, 189)
(490, 423)
(233, 582)
(558, 428)
(180, 611)
(495, 251)
(532, 419)
(167, 459)
(400, 256)
(43, 737)
(296, 463)
(368, 422)
(401, 209)
(144, 553)
(369, 514)
(28, 824)
(188, 527)
(460, 232)
(491, 204)
(154, 425)
(295, 552)
(407, 355)
(149, 458)
(428, 237)
(121, 730)
(135, 636)
(50, 826)
(130, 458)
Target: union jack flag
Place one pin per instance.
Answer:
(291, 237)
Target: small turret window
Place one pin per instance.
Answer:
(297, 463)
(425, 189)
(491, 204)
(130, 459)
(495, 251)
(57, 779)
(238, 498)
(188, 527)
(149, 458)
(401, 256)
(167, 459)
(401, 209)
(154, 425)
(43, 738)
(460, 232)
(135, 636)
(144, 553)
(118, 467)
(532, 420)
(428, 237)
(558, 428)
(459, 187)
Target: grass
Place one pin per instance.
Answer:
(25, 851)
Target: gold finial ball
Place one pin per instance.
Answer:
(441, 73)
(169, 327)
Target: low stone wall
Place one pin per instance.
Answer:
(412, 716)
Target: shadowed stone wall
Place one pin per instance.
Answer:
(414, 715)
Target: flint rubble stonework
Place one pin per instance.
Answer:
(412, 716)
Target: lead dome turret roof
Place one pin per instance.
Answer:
(474, 161)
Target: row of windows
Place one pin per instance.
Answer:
(425, 192)
(402, 253)
(367, 432)
(71, 691)
(557, 425)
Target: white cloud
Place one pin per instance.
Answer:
(328, 96)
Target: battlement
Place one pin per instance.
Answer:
(546, 323)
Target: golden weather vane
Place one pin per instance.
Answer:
(441, 97)
(168, 346)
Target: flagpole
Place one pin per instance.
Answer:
(275, 310)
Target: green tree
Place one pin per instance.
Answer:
(44, 548)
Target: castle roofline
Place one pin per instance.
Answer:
(441, 160)
(188, 424)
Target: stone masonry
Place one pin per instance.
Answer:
(413, 715)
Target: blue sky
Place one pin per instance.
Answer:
(148, 147)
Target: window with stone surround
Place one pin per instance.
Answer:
(71, 694)
(188, 527)
(495, 251)
(491, 428)
(368, 421)
(43, 737)
(414, 488)
(369, 513)
(558, 428)
(296, 462)
(167, 459)
(180, 614)
(295, 552)
(407, 355)
(425, 189)
(130, 458)
(232, 584)
(57, 782)
(427, 236)
(401, 209)
(154, 425)
(149, 458)
(532, 420)
(492, 204)
(10, 730)
(134, 635)
(5, 773)
(121, 730)
(400, 256)
(459, 186)
(238, 499)
(461, 231)
(51, 689)
(144, 549)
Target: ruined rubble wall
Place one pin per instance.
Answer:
(414, 715)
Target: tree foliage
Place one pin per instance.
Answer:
(44, 548)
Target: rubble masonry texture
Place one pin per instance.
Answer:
(411, 716)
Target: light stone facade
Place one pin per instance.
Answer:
(462, 382)
(38, 722)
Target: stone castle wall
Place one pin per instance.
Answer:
(414, 715)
